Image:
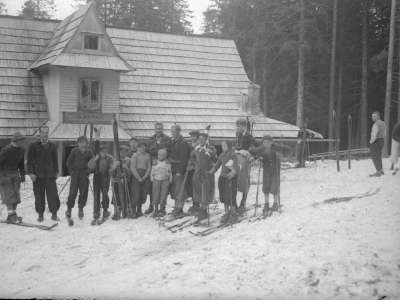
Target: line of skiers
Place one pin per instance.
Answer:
(166, 165)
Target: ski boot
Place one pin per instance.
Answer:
(225, 218)
(117, 215)
(193, 210)
(266, 211)
(54, 217)
(40, 218)
(149, 210)
(178, 212)
(13, 218)
(139, 212)
(68, 213)
(80, 213)
(95, 222)
(201, 216)
(106, 214)
(233, 217)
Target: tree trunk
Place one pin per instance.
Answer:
(364, 79)
(398, 93)
(389, 77)
(300, 74)
(339, 101)
(332, 74)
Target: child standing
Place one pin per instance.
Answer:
(100, 165)
(227, 181)
(140, 167)
(271, 173)
(161, 177)
(77, 164)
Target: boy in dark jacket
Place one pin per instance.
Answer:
(100, 165)
(271, 173)
(179, 154)
(43, 170)
(77, 164)
(12, 173)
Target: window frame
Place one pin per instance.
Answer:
(90, 107)
(88, 34)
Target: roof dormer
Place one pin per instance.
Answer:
(81, 40)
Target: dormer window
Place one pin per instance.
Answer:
(90, 42)
(90, 95)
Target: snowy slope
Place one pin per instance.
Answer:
(313, 250)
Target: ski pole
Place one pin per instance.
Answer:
(258, 187)
(66, 183)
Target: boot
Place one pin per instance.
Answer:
(149, 210)
(242, 207)
(117, 214)
(139, 212)
(80, 213)
(233, 218)
(193, 210)
(106, 214)
(94, 222)
(177, 212)
(156, 211)
(225, 218)
(68, 213)
(54, 217)
(266, 211)
(13, 218)
(40, 218)
(202, 215)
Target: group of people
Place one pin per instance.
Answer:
(163, 166)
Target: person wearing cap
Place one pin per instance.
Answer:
(244, 142)
(12, 173)
(194, 139)
(271, 173)
(77, 165)
(203, 179)
(42, 165)
(100, 165)
(179, 154)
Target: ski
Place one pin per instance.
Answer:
(31, 225)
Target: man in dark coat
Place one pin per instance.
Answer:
(244, 141)
(179, 154)
(12, 173)
(77, 164)
(43, 169)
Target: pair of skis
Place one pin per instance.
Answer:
(31, 225)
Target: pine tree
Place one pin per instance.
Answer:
(39, 9)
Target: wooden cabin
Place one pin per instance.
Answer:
(69, 73)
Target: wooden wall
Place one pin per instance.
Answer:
(69, 88)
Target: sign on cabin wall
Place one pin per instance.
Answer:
(85, 117)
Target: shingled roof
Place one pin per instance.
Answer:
(190, 80)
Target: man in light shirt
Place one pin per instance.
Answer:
(376, 143)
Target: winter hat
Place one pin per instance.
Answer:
(17, 136)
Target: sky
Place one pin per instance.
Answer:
(66, 7)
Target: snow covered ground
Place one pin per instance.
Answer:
(313, 250)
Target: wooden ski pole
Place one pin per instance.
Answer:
(336, 142)
(258, 187)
